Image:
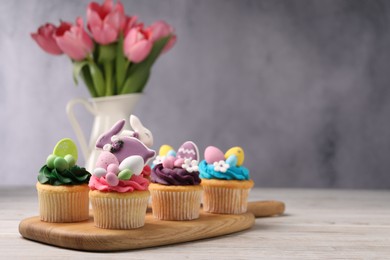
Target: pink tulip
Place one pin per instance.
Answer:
(137, 44)
(106, 21)
(74, 40)
(160, 30)
(45, 39)
(131, 22)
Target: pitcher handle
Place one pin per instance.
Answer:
(76, 125)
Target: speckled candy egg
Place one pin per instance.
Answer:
(168, 162)
(134, 163)
(105, 159)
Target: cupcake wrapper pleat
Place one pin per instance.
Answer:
(225, 200)
(119, 213)
(176, 205)
(63, 206)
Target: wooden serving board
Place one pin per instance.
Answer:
(85, 236)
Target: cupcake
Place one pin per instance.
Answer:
(119, 185)
(226, 183)
(63, 186)
(175, 188)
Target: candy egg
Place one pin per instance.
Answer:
(70, 159)
(105, 159)
(237, 151)
(112, 179)
(168, 162)
(164, 149)
(232, 160)
(125, 175)
(50, 161)
(134, 163)
(114, 168)
(64, 147)
(188, 150)
(213, 154)
(171, 153)
(60, 164)
(99, 172)
(178, 162)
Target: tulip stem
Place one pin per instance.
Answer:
(108, 78)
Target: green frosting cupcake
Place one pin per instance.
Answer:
(73, 176)
(61, 168)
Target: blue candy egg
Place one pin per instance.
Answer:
(171, 153)
(232, 160)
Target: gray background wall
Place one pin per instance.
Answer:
(302, 86)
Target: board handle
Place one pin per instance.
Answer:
(266, 208)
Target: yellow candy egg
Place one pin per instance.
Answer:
(164, 149)
(237, 151)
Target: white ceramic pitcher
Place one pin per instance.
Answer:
(107, 111)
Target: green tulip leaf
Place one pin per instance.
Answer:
(97, 78)
(77, 68)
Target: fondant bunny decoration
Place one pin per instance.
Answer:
(140, 131)
(123, 146)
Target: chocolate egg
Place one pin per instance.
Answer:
(70, 159)
(114, 168)
(112, 179)
(237, 151)
(171, 153)
(134, 163)
(178, 162)
(232, 160)
(168, 162)
(188, 150)
(50, 161)
(105, 159)
(99, 172)
(125, 175)
(164, 149)
(60, 164)
(213, 154)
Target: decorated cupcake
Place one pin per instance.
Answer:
(225, 181)
(62, 186)
(119, 186)
(175, 188)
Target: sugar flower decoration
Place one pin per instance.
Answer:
(190, 165)
(221, 166)
(159, 159)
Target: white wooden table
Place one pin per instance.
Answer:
(326, 224)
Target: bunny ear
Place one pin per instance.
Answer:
(136, 123)
(105, 138)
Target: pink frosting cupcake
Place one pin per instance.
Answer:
(119, 185)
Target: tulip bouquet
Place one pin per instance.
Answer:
(115, 54)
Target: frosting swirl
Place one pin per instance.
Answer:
(133, 184)
(175, 176)
(232, 173)
(72, 176)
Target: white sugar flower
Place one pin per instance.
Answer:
(107, 147)
(221, 166)
(159, 159)
(190, 165)
(114, 138)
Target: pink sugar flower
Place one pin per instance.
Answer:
(45, 39)
(73, 40)
(106, 21)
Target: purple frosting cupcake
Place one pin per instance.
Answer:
(175, 187)
(175, 176)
